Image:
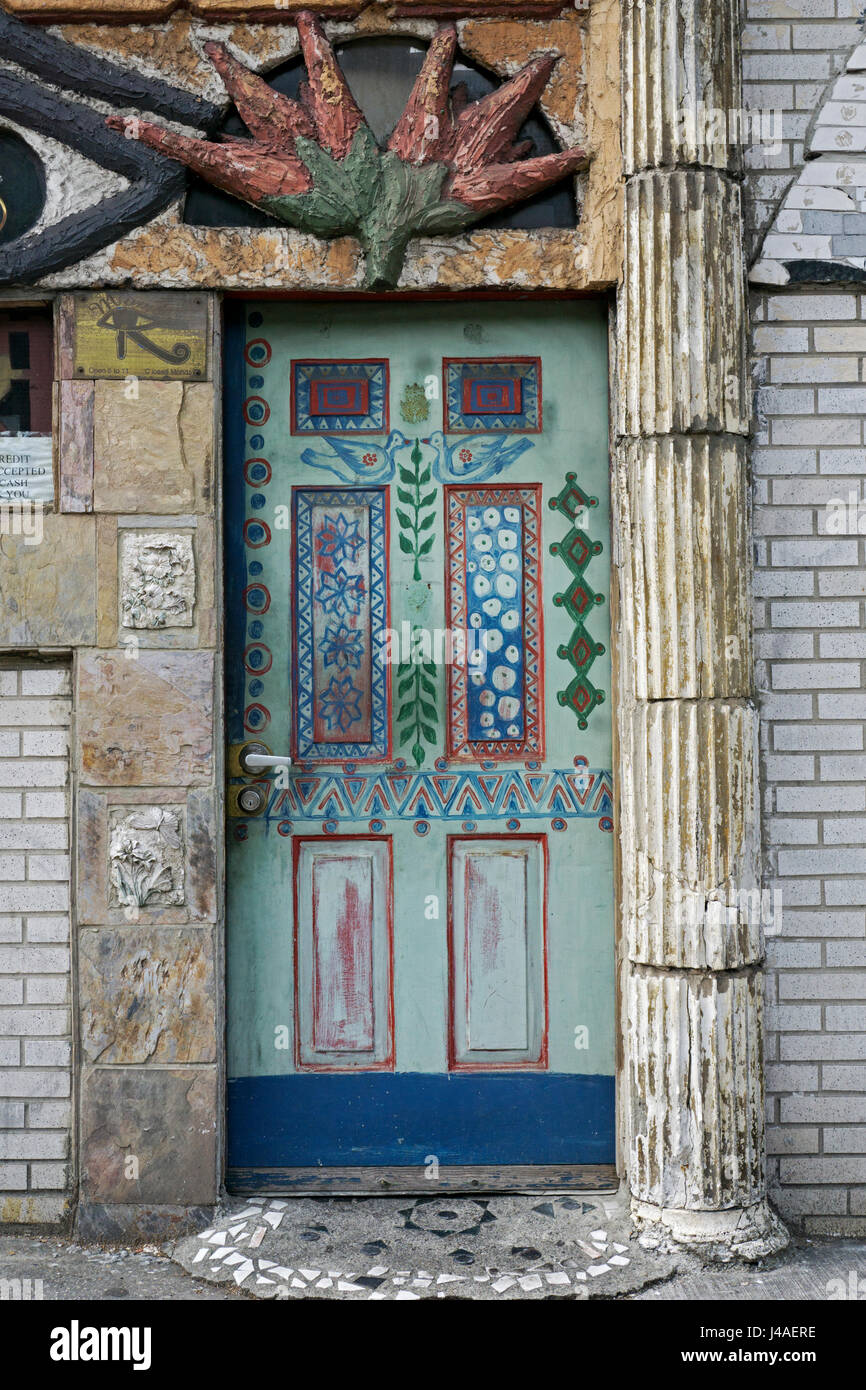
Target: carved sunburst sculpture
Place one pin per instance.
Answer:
(315, 163)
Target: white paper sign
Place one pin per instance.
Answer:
(26, 468)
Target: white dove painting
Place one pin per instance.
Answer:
(356, 460)
(476, 456)
(353, 460)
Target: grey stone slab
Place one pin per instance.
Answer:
(65, 1270)
(148, 1135)
(147, 995)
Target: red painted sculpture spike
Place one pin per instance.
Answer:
(315, 164)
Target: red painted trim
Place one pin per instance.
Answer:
(387, 1063)
(42, 12)
(542, 1063)
(535, 9)
(447, 428)
(330, 362)
(460, 748)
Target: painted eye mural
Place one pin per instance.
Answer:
(22, 187)
(43, 128)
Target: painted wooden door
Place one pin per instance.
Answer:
(420, 909)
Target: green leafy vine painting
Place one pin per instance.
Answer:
(417, 717)
(416, 535)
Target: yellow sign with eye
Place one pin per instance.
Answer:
(120, 334)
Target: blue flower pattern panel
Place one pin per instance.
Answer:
(341, 704)
(494, 585)
(495, 707)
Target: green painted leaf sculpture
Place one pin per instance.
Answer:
(315, 164)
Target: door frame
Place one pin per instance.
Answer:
(383, 1179)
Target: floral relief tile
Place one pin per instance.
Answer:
(157, 579)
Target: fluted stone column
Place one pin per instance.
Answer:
(692, 946)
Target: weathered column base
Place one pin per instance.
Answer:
(747, 1233)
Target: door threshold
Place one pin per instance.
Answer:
(527, 1179)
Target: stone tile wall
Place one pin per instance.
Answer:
(125, 581)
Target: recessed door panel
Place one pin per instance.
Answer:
(497, 950)
(343, 954)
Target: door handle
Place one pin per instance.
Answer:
(254, 757)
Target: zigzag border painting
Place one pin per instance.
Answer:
(576, 793)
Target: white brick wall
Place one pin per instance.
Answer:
(810, 350)
(791, 49)
(35, 1004)
(810, 587)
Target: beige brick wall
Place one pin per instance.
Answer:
(35, 979)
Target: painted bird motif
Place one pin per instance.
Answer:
(356, 460)
(478, 456)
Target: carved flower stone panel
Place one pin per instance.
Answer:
(146, 857)
(157, 580)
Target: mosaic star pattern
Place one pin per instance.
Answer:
(240, 1249)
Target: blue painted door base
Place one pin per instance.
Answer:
(378, 1118)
